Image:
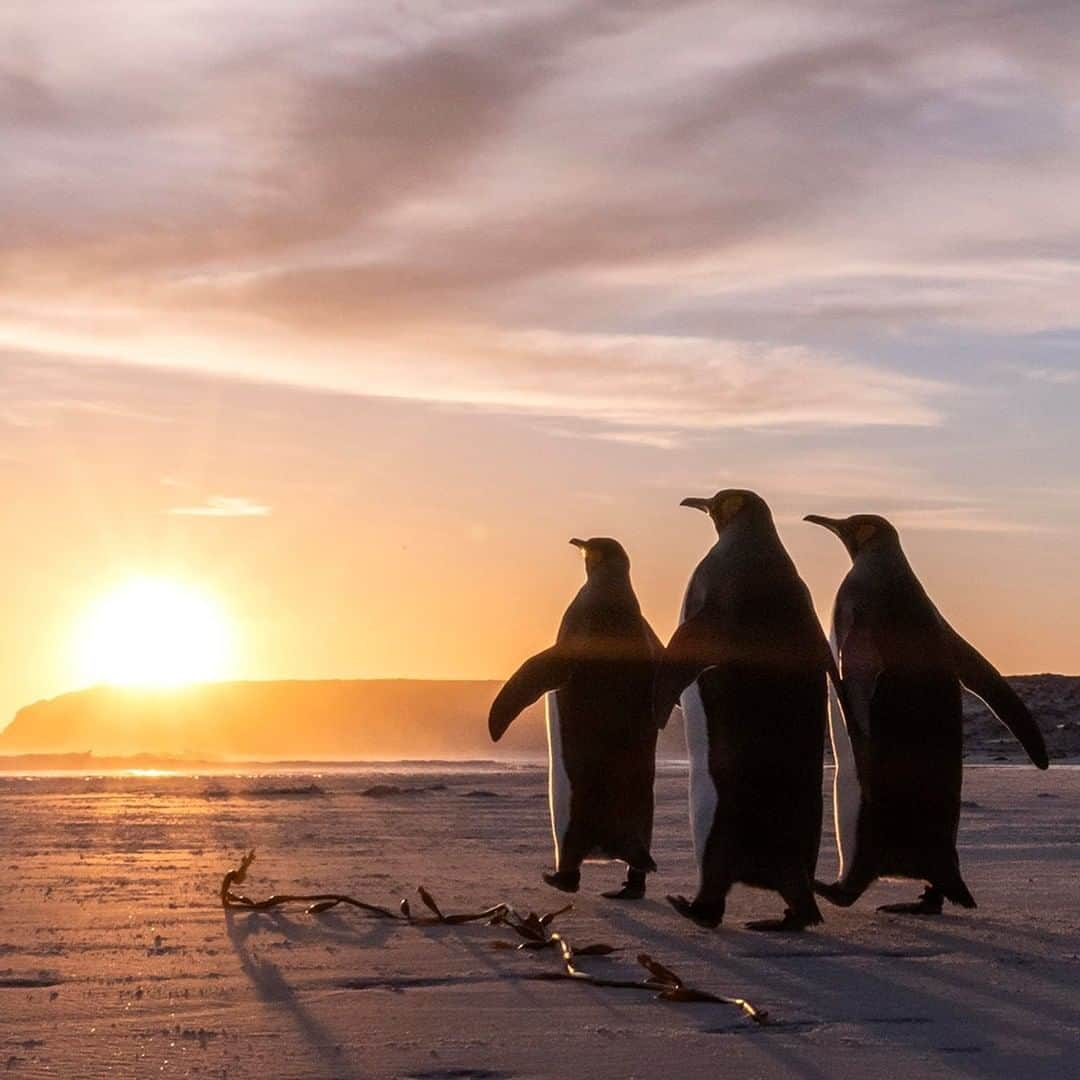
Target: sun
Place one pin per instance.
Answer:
(153, 632)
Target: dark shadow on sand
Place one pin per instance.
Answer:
(273, 989)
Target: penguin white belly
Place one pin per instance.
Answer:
(558, 778)
(847, 795)
(703, 794)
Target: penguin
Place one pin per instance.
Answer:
(750, 661)
(598, 677)
(898, 740)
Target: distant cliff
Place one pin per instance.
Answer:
(324, 719)
(384, 718)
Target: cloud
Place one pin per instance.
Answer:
(962, 518)
(683, 384)
(223, 506)
(1056, 376)
(37, 394)
(667, 384)
(864, 480)
(623, 214)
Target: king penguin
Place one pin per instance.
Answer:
(598, 677)
(898, 739)
(750, 662)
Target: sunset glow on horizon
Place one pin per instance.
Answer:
(352, 314)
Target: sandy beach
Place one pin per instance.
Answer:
(395, 397)
(116, 958)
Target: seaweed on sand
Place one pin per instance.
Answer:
(534, 929)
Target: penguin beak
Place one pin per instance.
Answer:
(705, 505)
(832, 524)
(578, 543)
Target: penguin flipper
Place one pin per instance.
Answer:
(545, 671)
(832, 668)
(983, 679)
(695, 647)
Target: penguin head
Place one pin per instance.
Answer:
(730, 505)
(860, 532)
(603, 554)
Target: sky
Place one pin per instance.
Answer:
(352, 314)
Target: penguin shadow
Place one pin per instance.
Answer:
(781, 1040)
(1038, 969)
(961, 1012)
(906, 996)
(627, 918)
(273, 989)
(682, 942)
(1004, 1016)
(681, 936)
(518, 969)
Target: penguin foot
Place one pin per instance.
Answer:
(707, 916)
(564, 881)
(631, 890)
(835, 893)
(930, 903)
(919, 907)
(792, 922)
(958, 894)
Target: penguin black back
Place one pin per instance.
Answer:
(750, 663)
(598, 677)
(898, 744)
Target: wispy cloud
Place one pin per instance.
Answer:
(864, 481)
(659, 382)
(683, 383)
(36, 394)
(962, 518)
(223, 506)
(1057, 376)
(465, 206)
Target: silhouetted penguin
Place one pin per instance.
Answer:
(598, 677)
(750, 661)
(898, 744)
